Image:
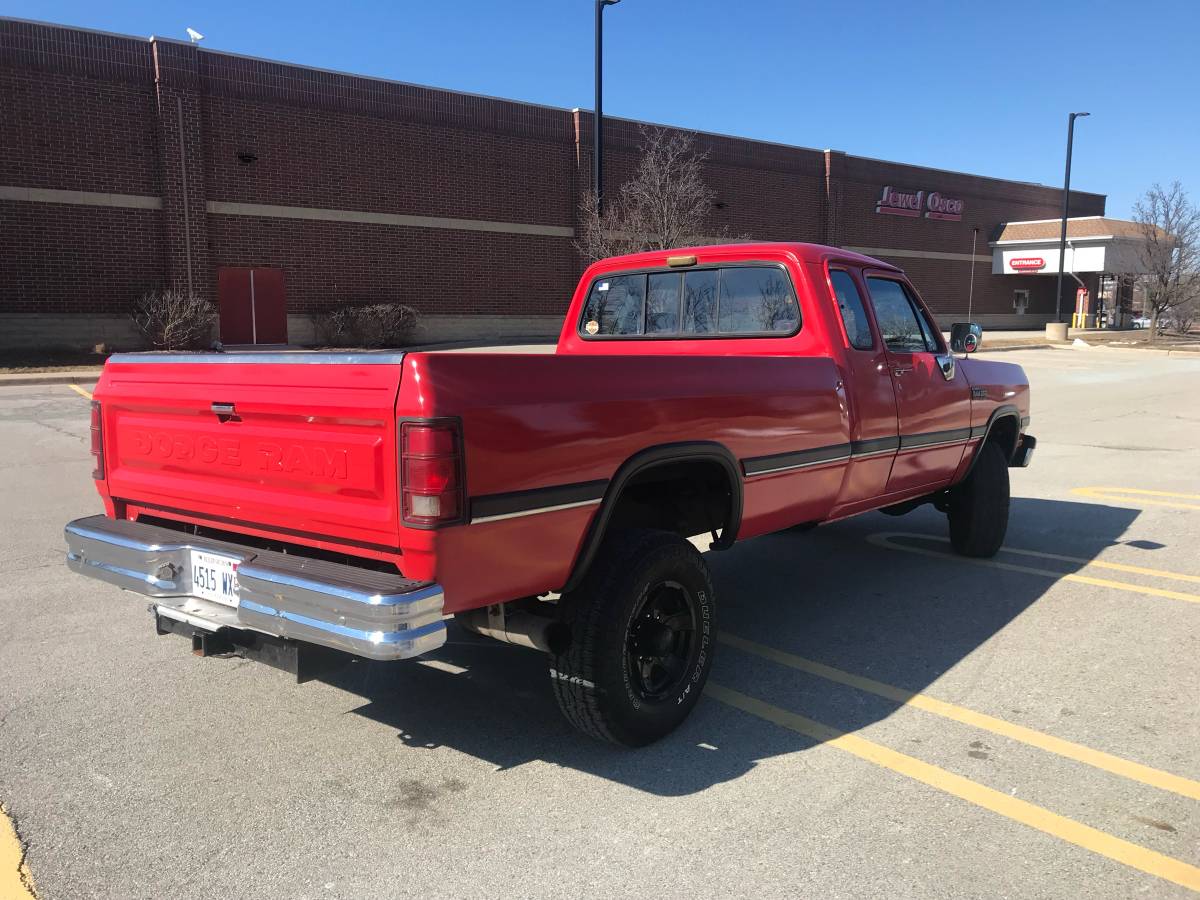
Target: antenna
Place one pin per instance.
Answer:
(195, 36)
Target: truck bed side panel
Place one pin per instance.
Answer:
(547, 421)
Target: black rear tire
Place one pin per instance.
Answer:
(979, 506)
(641, 630)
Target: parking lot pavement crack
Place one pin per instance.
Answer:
(63, 431)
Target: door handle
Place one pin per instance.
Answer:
(901, 370)
(226, 412)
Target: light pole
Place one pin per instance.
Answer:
(1062, 241)
(598, 124)
(971, 290)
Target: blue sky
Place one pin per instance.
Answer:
(970, 87)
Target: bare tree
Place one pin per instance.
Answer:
(1170, 250)
(666, 204)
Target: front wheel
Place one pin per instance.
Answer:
(641, 639)
(978, 507)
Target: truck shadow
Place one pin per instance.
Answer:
(835, 595)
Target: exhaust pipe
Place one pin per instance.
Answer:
(525, 629)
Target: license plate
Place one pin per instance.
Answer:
(214, 577)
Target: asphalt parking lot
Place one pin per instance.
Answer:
(884, 719)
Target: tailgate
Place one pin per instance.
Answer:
(297, 443)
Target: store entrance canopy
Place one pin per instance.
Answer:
(1094, 244)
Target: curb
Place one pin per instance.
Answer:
(86, 376)
(1148, 351)
(1003, 349)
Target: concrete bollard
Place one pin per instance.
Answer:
(1056, 331)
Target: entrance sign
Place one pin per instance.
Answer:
(915, 204)
(1027, 263)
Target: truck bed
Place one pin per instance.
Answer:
(303, 446)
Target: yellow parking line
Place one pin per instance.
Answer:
(15, 881)
(80, 391)
(1149, 861)
(1097, 492)
(1125, 768)
(884, 539)
(1104, 564)
(1098, 563)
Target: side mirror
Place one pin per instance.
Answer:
(965, 337)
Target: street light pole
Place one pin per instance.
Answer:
(971, 290)
(598, 124)
(1062, 241)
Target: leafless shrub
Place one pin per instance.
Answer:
(1185, 315)
(174, 319)
(665, 205)
(368, 325)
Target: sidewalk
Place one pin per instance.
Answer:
(1013, 340)
(65, 376)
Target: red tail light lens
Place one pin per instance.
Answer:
(432, 487)
(97, 442)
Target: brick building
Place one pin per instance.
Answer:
(127, 163)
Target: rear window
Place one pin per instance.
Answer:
(731, 300)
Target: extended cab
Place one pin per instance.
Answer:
(303, 507)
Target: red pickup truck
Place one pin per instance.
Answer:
(310, 506)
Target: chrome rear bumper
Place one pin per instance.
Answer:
(372, 614)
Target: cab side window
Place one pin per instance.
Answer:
(850, 305)
(901, 321)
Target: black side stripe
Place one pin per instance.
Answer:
(924, 439)
(801, 459)
(519, 503)
(797, 459)
(874, 445)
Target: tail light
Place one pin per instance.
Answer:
(432, 482)
(97, 430)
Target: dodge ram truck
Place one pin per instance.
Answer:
(308, 507)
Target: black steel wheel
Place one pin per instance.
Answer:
(641, 628)
(661, 643)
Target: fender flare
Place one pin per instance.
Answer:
(1005, 411)
(651, 458)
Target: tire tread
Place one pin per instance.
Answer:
(979, 506)
(574, 673)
